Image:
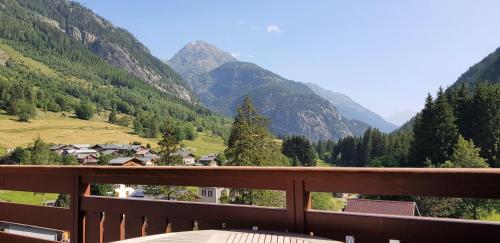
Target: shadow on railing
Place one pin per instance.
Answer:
(104, 219)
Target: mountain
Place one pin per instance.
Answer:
(56, 54)
(291, 106)
(487, 70)
(352, 110)
(113, 44)
(400, 117)
(198, 57)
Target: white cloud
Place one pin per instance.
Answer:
(273, 28)
(250, 56)
(236, 54)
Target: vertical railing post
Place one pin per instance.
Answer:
(79, 189)
(298, 201)
(290, 206)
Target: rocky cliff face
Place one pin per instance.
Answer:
(117, 46)
(221, 82)
(291, 106)
(352, 110)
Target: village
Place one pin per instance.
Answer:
(137, 155)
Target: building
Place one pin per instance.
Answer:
(123, 191)
(133, 161)
(126, 161)
(62, 148)
(209, 160)
(120, 148)
(87, 159)
(187, 157)
(76, 152)
(400, 208)
(211, 194)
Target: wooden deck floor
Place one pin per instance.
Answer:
(221, 236)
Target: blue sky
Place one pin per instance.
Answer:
(384, 54)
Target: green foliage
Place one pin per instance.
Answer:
(326, 201)
(374, 149)
(167, 146)
(104, 159)
(250, 142)
(53, 71)
(435, 132)
(98, 189)
(84, 111)
(300, 148)
(24, 110)
(37, 154)
(180, 193)
(69, 160)
(63, 200)
(112, 117)
(466, 155)
(477, 116)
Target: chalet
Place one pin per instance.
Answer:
(399, 208)
(148, 161)
(76, 152)
(209, 160)
(61, 148)
(187, 157)
(127, 161)
(124, 191)
(87, 159)
(121, 148)
(211, 194)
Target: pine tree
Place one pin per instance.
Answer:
(299, 147)
(423, 137)
(435, 132)
(460, 99)
(250, 142)
(444, 130)
(167, 146)
(486, 121)
(112, 117)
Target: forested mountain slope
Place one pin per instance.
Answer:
(57, 54)
(487, 70)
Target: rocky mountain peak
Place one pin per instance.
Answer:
(199, 57)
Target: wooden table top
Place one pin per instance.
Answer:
(229, 236)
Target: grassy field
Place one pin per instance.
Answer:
(26, 61)
(493, 217)
(54, 128)
(321, 163)
(205, 144)
(26, 197)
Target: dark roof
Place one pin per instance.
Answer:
(355, 205)
(182, 153)
(123, 160)
(112, 146)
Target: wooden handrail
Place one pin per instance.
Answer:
(97, 219)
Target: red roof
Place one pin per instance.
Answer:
(355, 205)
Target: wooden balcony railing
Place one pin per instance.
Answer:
(102, 219)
